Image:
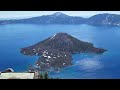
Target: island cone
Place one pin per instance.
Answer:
(56, 51)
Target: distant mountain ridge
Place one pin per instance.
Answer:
(104, 19)
(60, 18)
(56, 18)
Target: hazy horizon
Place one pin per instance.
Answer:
(28, 14)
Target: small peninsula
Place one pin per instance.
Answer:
(56, 51)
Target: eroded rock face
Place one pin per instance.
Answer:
(57, 50)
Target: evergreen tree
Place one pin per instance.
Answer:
(46, 75)
(41, 76)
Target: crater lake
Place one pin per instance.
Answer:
(13, 37)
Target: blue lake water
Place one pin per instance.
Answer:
(16, 36)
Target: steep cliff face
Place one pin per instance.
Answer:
(56, 51)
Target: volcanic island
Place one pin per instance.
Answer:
(56, 51)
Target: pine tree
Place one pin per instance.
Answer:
(41, 76)
(46, 75)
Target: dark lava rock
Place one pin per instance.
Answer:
(56, 51)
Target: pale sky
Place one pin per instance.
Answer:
(24, 14)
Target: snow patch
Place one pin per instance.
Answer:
(58, 13)
(107, 17)
(49, 57)
(36, 53)
(44, 52)
(63, 63)
(44, 55)
(53, 36)
(47, 60)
